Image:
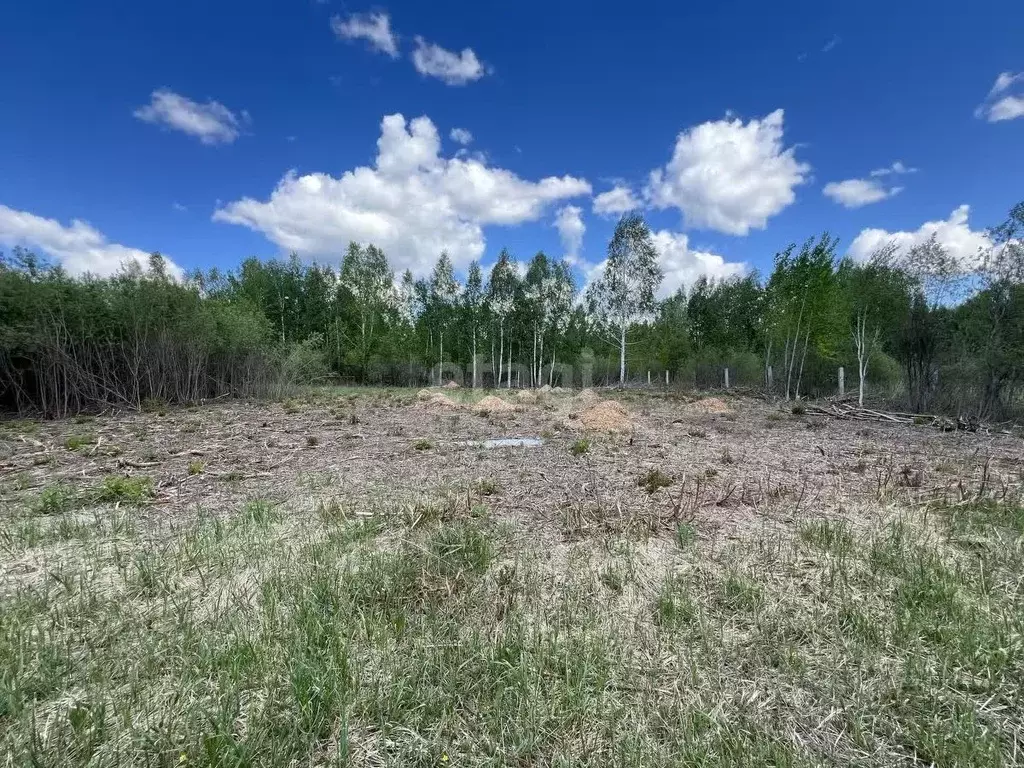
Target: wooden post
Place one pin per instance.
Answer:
(769, 379)
(666, 377)
(842, 381)
(726, 378)
(648, 378)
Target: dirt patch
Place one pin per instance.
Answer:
(709, 405)
(606, 416)
(492, 404)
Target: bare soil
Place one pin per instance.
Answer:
(755, 464)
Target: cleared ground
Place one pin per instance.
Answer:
(352, 577)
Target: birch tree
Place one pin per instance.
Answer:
(473, 306)
(625, 291)
(501, 301)
(443, 300)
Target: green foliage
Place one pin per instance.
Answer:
(580, 447)
(654, 479)
(125, 490)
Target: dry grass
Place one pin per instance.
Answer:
(357, 601)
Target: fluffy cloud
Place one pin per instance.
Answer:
(570, 226)
(211, 123)
(450, 67)
(683, 265)
(79, 248)
(374, 28)
(998, 106)
(954, 233)
(728, 175)
(616, 201)
(461, 136)
(413, 202)
(853, 193)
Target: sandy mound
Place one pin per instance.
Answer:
(436, 400)
(606, 416)
(452, 385)
(587, 397)
(545, 389)
(424, 394)
(492, 404)
(709, 405)
(526, 396)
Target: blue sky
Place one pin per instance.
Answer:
(173, 127)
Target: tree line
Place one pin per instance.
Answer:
(914, 326)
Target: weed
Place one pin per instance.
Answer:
(233, 476)
(487, 487)
(686, 534)
(697, 432)
(312, 441)
(727, 457)
(612, 578)
(56, 499)
(124, 490)
(799, 408)
(580, 447)
(461, 547)
(261, 512)
(653, 480)
(77, 442)
(196, 467)
(422, 444)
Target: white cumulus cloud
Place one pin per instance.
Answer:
(896, 168)
(570, 226)
(452, 68)
(728, 175)
(616, 201)
(374, 28)
(413, 202)
(78, 247)
(853, 193)
(211, 123)
(954, 233)
(683, 265)
(997, 106)
(461, 136)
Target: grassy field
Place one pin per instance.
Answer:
(160, 610)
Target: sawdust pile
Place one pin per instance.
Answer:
(526, 396)
(545, 389)
(606, 416)
(492, 404)
(588, 397)
(452, 385)
(424, 394)
(437, 401)
(709, 405)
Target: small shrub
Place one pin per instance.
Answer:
(233, 476)
(78, 442)
(312, 441)
(799, 409)
(422, 444)
(56, 499)
(580, 447)
(774, 416)
(653, 480)
(727, 458)
(196, 467)
(695, 432)
(125, 490)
